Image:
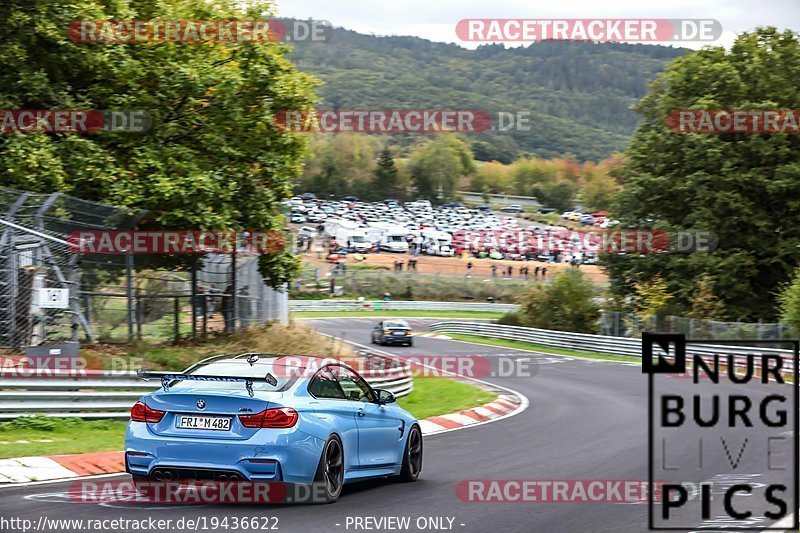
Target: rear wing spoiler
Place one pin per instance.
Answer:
(168, 377)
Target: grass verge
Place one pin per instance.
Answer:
(296, 339)
(439, 396)
(396, 313)
(32, 436)
(536, 347)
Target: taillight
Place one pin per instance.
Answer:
(140, 412)
(279, 417)
(387, 332)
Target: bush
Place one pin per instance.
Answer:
(566, 304)
(512, 318)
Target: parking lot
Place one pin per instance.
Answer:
(334, 228)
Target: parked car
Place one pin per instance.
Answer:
(392, 332)
(308, 231)
(251, 417)
(512, 209)
(547, 210)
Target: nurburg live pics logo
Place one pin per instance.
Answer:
(734, 421)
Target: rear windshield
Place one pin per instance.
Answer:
(396, 324)
(242, 369)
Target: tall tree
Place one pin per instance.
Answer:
(213, 158)
(387, 176)
(743, 187)
(437, 166)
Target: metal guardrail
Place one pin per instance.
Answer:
(600, 344)
(98, 394)
(399, 305)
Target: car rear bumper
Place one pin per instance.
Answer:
(391, 339)
(271, 455)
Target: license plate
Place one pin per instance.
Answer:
(399, 333)
(217, 423)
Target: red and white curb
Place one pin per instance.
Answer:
(26, 469)
(505, 405)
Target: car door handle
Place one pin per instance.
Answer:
(360, 412)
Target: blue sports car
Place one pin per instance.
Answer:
(260, 418)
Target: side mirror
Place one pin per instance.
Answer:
(385, 396)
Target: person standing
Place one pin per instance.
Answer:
(494, 271)
(536, 273)
(469, 270)
(318, 249)
(544, 273)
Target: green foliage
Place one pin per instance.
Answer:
(387, 176)
(213, 158)
(743, 187)
(566, 304)
(789, 302)
(437, 166)
(579, 94)
(652, 296)
(705, 304)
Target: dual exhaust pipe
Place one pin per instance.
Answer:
(169, 475)
(164, 475)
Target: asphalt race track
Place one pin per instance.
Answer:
(587, 420)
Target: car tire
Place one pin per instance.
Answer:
(412, 456)
(332, 485)
(410, 343)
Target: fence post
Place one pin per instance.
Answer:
(193, 300)
(233, 314)
(205, 314)
(139, 317)
(177, 310)
(129, 294)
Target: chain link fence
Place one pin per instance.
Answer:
(51, 294)
(316, 283)
(618, 324)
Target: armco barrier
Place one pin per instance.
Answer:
(584, 342)
(398, 305)
(98, 394)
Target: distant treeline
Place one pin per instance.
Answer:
(579, 93)
(360, 165)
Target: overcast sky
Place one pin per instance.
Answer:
(436, 19)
